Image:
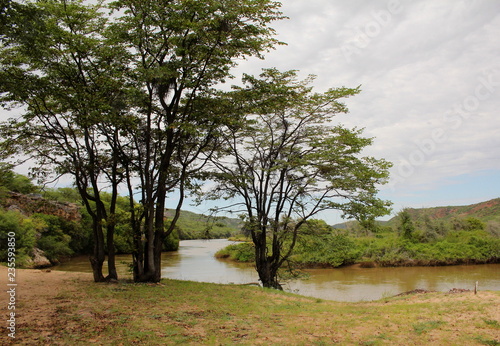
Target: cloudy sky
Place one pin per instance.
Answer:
(430, 78)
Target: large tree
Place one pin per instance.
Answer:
(287, 160)
(126, 100)
(68, 78)
(180, 50)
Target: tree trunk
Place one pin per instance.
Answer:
(267, 274)
(97, 259)
(265, 265)
(112, 274)
(111, 225)
(96, 264)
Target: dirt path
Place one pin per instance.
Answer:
(35, 293)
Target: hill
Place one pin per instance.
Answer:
(195, 226)
(488, 211)
(484, 211)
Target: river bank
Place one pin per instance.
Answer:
(195, 261)
(61, 308)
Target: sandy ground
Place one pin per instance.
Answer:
(34, 295)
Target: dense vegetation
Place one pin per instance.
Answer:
(122, 96)
(198, 226)
(411, 241)
(413, 237)
(57, 237)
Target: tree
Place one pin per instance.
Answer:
(118, 100)
(180, 50)
(57, 64)
(11, 181)
(406, 227)
(286, 161)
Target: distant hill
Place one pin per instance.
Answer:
(193, 225)
(484, 211)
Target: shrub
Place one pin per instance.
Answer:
(11, 221)
(332, 249)
(54, 239)
(241, 252)
(171, 243)
(12, 181)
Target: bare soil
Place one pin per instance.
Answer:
(35, 299)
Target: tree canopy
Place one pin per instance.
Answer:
(113, 100)
(287, 160)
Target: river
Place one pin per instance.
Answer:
(195, 261)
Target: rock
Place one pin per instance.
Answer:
(458, 290)
(39, 259)
(30, 204)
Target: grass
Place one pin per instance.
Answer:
(192, 313)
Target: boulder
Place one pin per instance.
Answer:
(39, 260)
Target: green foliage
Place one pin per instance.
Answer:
(80, 232)
(434, 242)
(54, 236)
(457, 247)
(25, 235)
(468, 224)
(329, 250)
(171, 242)
(197, 226)
(240, 252)
(63, 194)
(287, 161)
(11, 181)
(406, 227)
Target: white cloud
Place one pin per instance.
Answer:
(420, 70)
(420, 64)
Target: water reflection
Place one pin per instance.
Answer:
(356, 284)
(195, 261)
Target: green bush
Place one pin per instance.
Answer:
(11, 181)
(55, 247)
(171, 243)
(332, 249)
(12, 222)
(240, 252)
(457, 247)
(54, 239)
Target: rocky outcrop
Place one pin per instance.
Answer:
(31, 204)
(39, 260)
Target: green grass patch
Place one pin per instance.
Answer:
(194, 313)
(424, 327)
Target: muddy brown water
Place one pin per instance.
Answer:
(195, 261)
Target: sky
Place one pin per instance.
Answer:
(430, 78)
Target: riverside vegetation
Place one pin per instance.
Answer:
(70, 308)
(42, 225)
(413, 237)
(434, 236)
